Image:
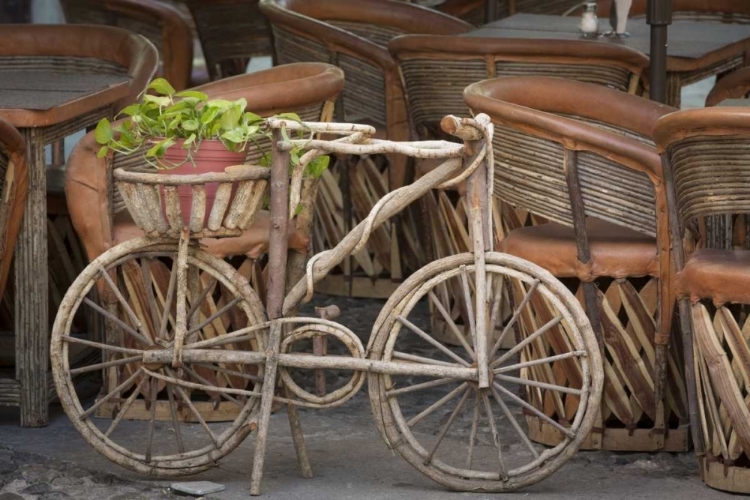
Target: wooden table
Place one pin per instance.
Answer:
(697, 49)
(45, 106)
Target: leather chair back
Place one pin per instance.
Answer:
(435, 69)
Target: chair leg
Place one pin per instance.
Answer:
(690, 383)
(298, 437)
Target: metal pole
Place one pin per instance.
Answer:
(659, 16)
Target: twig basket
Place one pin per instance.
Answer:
(154, 203)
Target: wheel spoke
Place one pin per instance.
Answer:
(148, 282)
(124, 303)
(495, 435)
(106, 364)
(419, 387)
(152, 423)
(414, 328)
(524, 404)
(227, 371)
(514, 318)
(451, 324)
(518, 347)
(125, 407)
(437, 404)
(541, 385)
(224, 339)
(469, 305)
(447, 425)
(204, 381)
(215, 315)
(201, 298)
(514, 422)
(122, 387)
(541, 361)
(495, 306)
(473, 433)
(127, 328)
(175, 421)
(193, 409)
(168, 302)
(420, 359)
(106, 347)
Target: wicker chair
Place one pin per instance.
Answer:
(436, 69)
(231, 32)
(706, 167)
(733, 86)
(580, 156)
(13, 190)
(102, 221)
(353, 34)
(724, 11)
(162, 24)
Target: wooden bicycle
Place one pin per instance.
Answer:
(174, 342)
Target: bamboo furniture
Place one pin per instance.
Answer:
(273, 345)
(70, 76)
(733, 86)
(353, 35)
(100, 217)
(697, 49)
(705, 158)
(231, 32)
(13, 190)
(161, 23)
(580, 155)
(436, 69)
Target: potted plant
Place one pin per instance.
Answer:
(187, 133)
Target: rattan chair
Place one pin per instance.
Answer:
(162, 24)
(231, 32)
(580, 156)
(436, 69)
(733, 86)
(706, 162)
(13, 189)
(102, 221)
(724, 11)
(353, 34)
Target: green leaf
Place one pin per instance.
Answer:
(159, 148)
(252, 117)
(209, 115)
(162, 86)
(231, 117)
(289, 116)
(160, 101)
(316, 167)
(194, 94)
(131, 110)
(102, 152)
(233, 135)
(189, 141)
(190, 125)
(298, 209)
(103, 133)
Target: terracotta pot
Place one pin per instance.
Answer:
(211, 156)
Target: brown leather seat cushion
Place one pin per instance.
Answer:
(721, 275)
(616, 251)
(253, 242)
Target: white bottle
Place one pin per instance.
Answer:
(589, 23)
